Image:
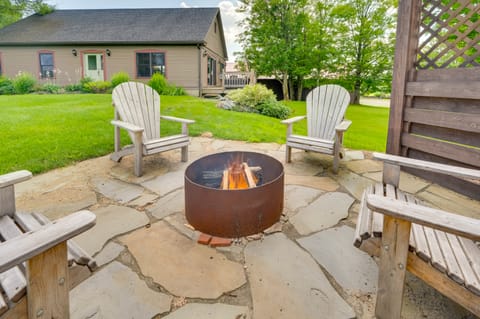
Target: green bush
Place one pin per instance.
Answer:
(119, 78)
(274, 109)
(73, 87)
(160, 84)
(6, 86)
(97, 87)
(50, 88)
(252, 95)
(258, 99)
(23, 83)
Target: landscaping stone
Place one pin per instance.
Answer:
(326, 184)
(353, 155)
(287, 283)
(111, 221)
(299, 196)
(169, 204)
(166, 183)
(364, 166)
(143, 200)
(180, 223)
(119, 191)
(355, 184)
(333, 248)
(210, 311)
(326, 211)
(108, 253)
(182, 266)
(116, 292)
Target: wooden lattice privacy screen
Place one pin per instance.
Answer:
(435, 106)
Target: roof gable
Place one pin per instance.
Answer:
(112, 26)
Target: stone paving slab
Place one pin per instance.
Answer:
(326, 211)
(287, 283)
(408, 183)
(169, 204)
(108, 253)
(210, 311)
(364, 166)
(116, 292)
(166, 183)
(119, 191)
(111, 222)
(354, 183)
(182, 266)
(326, 184)
(299, 196)
(351, 155)
(333, 248)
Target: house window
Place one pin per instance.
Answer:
(46, 65)
(212, 71)
(149, 63)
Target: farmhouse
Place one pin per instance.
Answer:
(187, 45)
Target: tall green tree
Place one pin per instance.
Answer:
(274, 40)
(363, 57)
(11, 11)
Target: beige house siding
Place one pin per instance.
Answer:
(214, 48)
(181, 63)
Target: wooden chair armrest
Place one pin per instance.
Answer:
(177, 119)
(343, 126)
(426, 216)
(21, 248)
(429, 166)
(128, 126)
(293, 119)
(14, 178)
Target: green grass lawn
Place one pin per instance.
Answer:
(42, 132)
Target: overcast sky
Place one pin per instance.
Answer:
(229, 16)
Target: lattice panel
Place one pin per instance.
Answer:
(449, 34)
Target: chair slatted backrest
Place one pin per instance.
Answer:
(326, 107)
(139, 104)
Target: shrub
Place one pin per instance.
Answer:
(252, 95)
(6, 86)
(160, 84)
(274, 109)
(119, 78)
(97, 87)
(23, 83)
(50, 88)
(258, 99)
(73, 87)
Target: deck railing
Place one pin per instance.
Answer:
(235, 80)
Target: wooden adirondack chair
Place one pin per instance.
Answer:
(326, 107)
(35, 255)
(438, 247)
(137, 110)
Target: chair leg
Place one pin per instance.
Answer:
(138, 154)
(392, 268)
(288, 154)
(185, 154)
(336, 158)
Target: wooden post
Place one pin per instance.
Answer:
(392, 267)
(48, 284)
(7, 200)
(138, 154)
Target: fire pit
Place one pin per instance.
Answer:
(234, 194)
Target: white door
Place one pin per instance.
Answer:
(93, 66)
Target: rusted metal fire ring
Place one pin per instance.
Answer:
(234, 213)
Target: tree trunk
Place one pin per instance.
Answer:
(291, 88)
(355, 98)
(300, 89)
(285, 87)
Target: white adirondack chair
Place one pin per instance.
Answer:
(137, 110)
(326, 107)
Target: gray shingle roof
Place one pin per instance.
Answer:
(112, 26)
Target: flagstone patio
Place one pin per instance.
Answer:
(306, 266)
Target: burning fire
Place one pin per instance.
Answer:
(238, 175)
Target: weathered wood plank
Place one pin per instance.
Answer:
(429, 166)
(449, 74)
(453, 120)
(14, 178)
(453, 268)
(47, 272)
(473, 253)
(461, 153)
(450, 89)
(426, 216)
(3, 305)
(392, 267)
(446, 134)
(25, 246)
(470, 279)
(17, 311)
(363, 229)
(377, 227)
